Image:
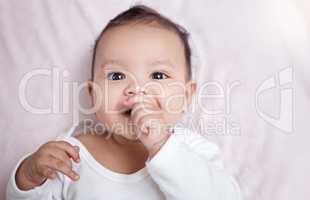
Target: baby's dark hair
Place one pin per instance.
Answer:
(146, 15)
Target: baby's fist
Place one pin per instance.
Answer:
(52, 157)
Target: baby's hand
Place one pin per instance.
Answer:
(45, 162)
(150, 125)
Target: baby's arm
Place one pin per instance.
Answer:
(187, 167)
(37, 176)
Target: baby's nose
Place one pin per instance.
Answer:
(137, 99)
(134, 89)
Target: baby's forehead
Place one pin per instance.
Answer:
(122, 35)
(140, 43)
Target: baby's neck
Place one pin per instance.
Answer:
(128, 145)
(121, 140)
(133, 149)
(116, 153)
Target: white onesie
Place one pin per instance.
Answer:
(187, 167)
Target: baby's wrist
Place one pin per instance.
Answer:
(23, 178)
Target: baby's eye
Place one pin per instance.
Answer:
(159, 75)
(116, 76)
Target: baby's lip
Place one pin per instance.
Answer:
(128, 106)
(137, 99)
(129, 103)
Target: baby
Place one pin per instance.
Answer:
(141, 86)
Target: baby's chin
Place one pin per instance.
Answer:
(128, 135)
(123, 127)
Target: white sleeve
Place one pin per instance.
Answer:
(188, 167)
(49, 190)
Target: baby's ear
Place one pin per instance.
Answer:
(90, 87)
(191, 87)
(91, 91)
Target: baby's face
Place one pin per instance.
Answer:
(140, 63)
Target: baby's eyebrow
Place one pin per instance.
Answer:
(165, 62)
(112, 62)
(162, 62)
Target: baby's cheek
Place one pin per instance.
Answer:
(105, 100)
(98, 97)
(174, 103)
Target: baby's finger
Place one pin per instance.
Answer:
(60, 154)
(72, 151)
(49, 173)
(140, 110)
(137, 99)
(62, 167)
(149, 123)
(138, 115)
(39, 173)
(145, 99)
